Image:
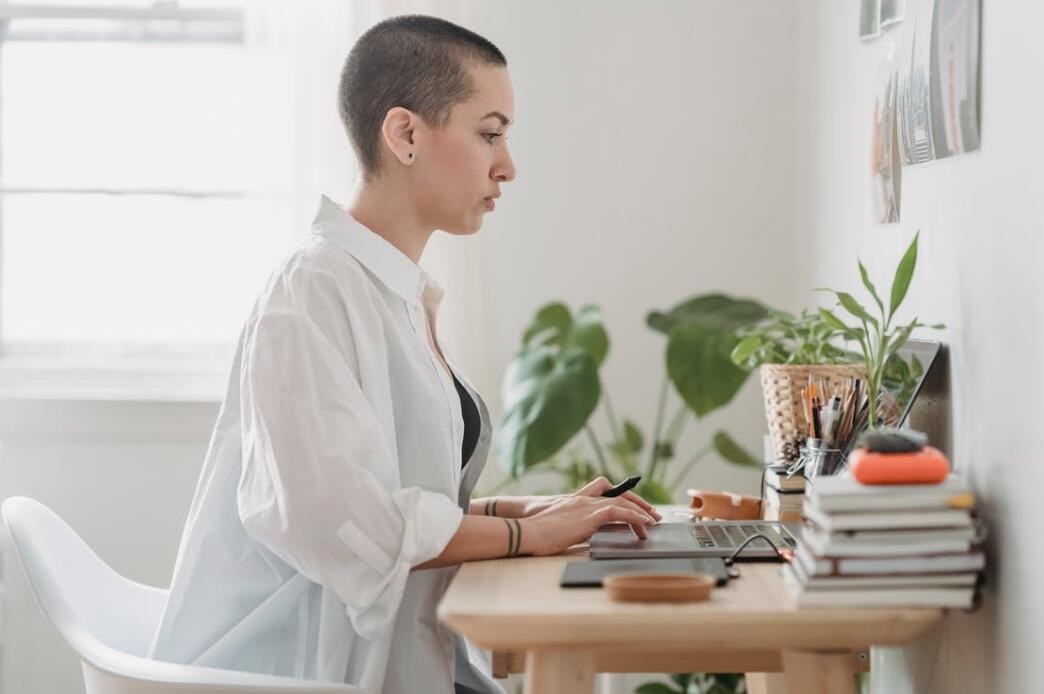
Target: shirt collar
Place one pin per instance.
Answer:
(393, 267)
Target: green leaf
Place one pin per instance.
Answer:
(733, 452)
(744, 349)
(870, 286)
(547, 401)
(899, 339)
(699, 364)
(555, 326)
(664, 450)
(654, 492)
(682, 679)
(633, 436)
(855, 308)
(712, 311)
(832, 320)
(589, 334)
(655, 688)
(903, 275)
(551, 324)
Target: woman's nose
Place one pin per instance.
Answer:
(505, 171)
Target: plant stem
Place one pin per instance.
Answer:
(618, 433)
(674, 429)
(597, 450)
(655, 441)
(614, 423)
(691, 463)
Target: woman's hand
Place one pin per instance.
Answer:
(595, 488)
(576, 517)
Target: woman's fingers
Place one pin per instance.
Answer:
(644, 504)
(627, 503)
(595, 487)
(618, 513)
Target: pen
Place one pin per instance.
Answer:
(624, 486)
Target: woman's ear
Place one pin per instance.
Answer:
(398, 133)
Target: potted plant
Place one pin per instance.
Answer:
(787, 349)
(879, 337)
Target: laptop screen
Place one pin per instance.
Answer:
(903, 379)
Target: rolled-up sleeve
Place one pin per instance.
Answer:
(313, 454)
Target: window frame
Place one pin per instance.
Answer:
(112, 371)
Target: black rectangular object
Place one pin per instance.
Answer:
(589, 573)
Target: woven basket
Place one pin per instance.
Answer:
(782, 386)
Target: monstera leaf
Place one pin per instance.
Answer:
(701, 335)
(551, 388)
(717, 312)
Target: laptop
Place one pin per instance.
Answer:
(694, 538)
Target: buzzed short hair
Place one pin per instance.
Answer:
(417, 62)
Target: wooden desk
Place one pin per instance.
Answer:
(515, 607)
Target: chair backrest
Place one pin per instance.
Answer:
(109, 620)
(85, 600)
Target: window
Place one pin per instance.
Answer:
(136, 221)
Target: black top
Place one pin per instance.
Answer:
(472, 423)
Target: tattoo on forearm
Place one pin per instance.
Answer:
(514, 536)
(491, 506)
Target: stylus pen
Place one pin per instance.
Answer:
(624, 486)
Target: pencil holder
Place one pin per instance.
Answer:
(781, 386)
(819, 459)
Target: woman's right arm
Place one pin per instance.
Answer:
(551, 531)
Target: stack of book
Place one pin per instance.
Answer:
(886, 545)
(783, 495)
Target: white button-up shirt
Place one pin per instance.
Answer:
(334, 468)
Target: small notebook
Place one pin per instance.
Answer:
(589, 573)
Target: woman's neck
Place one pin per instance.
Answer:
(388, 211)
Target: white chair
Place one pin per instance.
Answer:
(109, 620)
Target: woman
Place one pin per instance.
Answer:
(334, 503)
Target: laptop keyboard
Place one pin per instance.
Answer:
(730, 536)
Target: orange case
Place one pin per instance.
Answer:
(927, 466)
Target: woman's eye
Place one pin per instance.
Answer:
(489, 137)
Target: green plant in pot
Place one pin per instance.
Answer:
(786, 348)
(552, 388)
(879, 336)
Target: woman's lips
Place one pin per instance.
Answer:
(490, 205)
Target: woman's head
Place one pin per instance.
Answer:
(426, 105)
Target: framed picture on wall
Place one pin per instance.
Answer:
(869, 19)
(938, 88)
(892, 12)
(955, 77)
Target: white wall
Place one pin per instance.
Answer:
(980, 217)
(658, 156)
(654, 145)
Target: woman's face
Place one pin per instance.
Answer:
(464, 163)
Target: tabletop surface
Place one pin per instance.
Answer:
(517, 604)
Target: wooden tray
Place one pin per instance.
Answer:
(636, 587)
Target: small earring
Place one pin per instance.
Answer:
(411, 155)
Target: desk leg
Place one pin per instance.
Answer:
(559, 672)
(811, 672)
(766, 683)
